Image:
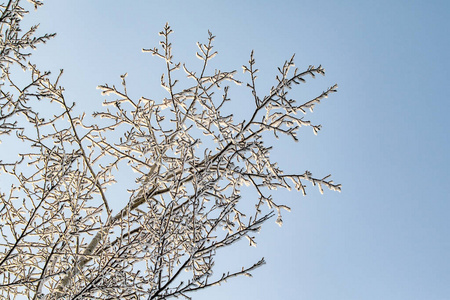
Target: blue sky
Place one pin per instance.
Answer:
(385, 134)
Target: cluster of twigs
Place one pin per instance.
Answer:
(60, 238)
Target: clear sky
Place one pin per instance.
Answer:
(385, 134)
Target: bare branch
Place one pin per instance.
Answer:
(190, 161)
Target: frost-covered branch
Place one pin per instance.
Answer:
(189, 160)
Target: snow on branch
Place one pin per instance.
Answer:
(61, 237)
